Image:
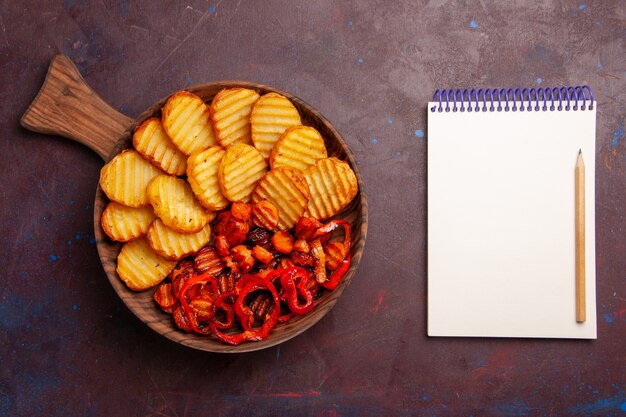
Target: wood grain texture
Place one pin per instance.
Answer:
(67, 106)
(80, 114)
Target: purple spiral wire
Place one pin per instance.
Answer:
(524, 92)
(468, 101)
(478, 93)
(505, 99)
(506, 106)
(573, 94)
(539, 92)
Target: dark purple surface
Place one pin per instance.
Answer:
(68, 346)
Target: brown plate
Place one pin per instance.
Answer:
(67, 106)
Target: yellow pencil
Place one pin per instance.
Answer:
(579, 173)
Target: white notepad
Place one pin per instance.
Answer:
(501, 207)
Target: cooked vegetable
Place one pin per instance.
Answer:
(271, 115)
(151, 141)
(186, 120)
(265, 214)
(202, 168)
(124, 179)
(175, 204)
(298, 148)
(332, 186)
(287, 190)
(240, 169)
(140, 267)
(175, 245)
(230, 113)
(122, 223)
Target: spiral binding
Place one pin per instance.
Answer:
(493, 99)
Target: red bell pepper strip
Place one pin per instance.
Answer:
(274, 277)
(247, 279)
(293, 290)
(251, 283)
(220, 304)
(184, 303)
(257, 334)
(338, 274)
(320, 258)
(285, 317)
(332, 225)
(289, 290)
(320, 261)
(244, 313)
(181, 320)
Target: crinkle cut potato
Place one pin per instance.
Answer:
(140, 267)
(122, 223)
(332, 185)
(271, 116)
(151, 141)
(240, 169)
(174, 245)
(230, 113)
(125, 178)
(288, 190)
(186, 120)
(175, 204)
(202, 175)
(298, 148)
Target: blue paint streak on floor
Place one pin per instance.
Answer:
(618, 134)
(605, 407)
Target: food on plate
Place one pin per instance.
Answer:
(298, 148)
(265, 214)
(175, 204)
(332, 186)
(202, 175)
(174, 245)
(124, 179)
(151, 141)
(287, 190)
(240, 169)
(122, 223)
(241, 211)
(140, 267)
(207, 260)
(186, 121)
(261, 254)
(243, 293)
(271, 116)
(233, 247)
(282, 241)
(230, 113)
(335, 252)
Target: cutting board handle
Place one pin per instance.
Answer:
(67, 106)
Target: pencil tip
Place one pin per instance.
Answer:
(580, 151)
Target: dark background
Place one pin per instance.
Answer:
(69, 346)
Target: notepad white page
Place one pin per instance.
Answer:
(501, 230)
